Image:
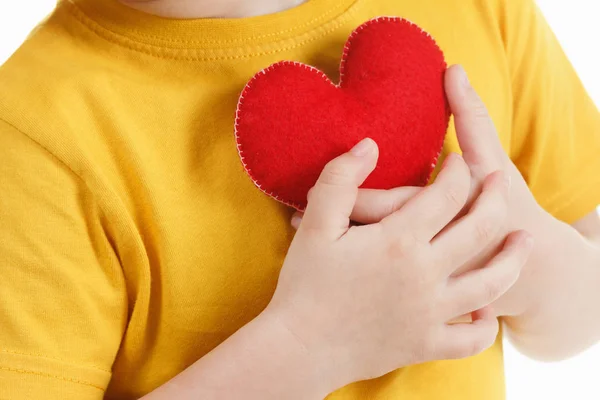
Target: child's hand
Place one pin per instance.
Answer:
(548, 309)
(366, 300)
(484, 154)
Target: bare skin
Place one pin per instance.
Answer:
(211, 8)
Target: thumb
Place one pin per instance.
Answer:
(475, 130)
(333, 197)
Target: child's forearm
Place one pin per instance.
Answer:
(260, 361)
(562, 317)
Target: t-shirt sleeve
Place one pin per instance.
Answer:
(63, 306)
(556, 126)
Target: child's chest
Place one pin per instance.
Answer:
(213, 244)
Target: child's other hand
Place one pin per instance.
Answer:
(365, 300)
(484, 154)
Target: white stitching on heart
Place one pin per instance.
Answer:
(320, 73)
(369, 23)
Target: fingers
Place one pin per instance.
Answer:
(372, 205)
(467, 340)
(476, 289)
(475, 129)
(479, 227)
(333, 197)
(427, 213)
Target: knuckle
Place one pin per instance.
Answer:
(397, 248)
(454, 198)
(491, 290)
(485, 230)
(334, 174)
(404, 245)
(479, 109)
(501, 207)
(311, 235)
(484, 341)
(496, 208)
(464, 349)
(490, 221)
(476, 346)
(394, 203)
(509, 274)
(384, 206)
(521, 256)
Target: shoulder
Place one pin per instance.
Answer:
(52, 93)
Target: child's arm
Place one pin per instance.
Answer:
(563, 284)
(555, 145)
(554, 309)
(263, 360)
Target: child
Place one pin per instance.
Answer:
(139, 260)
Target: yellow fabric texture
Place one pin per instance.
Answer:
(131, 240)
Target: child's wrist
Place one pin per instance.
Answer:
(311, 369)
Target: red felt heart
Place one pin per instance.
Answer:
(291, 119)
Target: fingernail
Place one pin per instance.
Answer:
(363, 148)
(296, 221)
(464, 79)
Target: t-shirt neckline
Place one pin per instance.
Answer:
(211, 33)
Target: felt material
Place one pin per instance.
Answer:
(291, 119)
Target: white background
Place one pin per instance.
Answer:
(577, 24)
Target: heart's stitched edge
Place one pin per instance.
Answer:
(369, 23)
(248, 86)
(321, 74)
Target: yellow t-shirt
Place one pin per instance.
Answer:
(131, 240)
